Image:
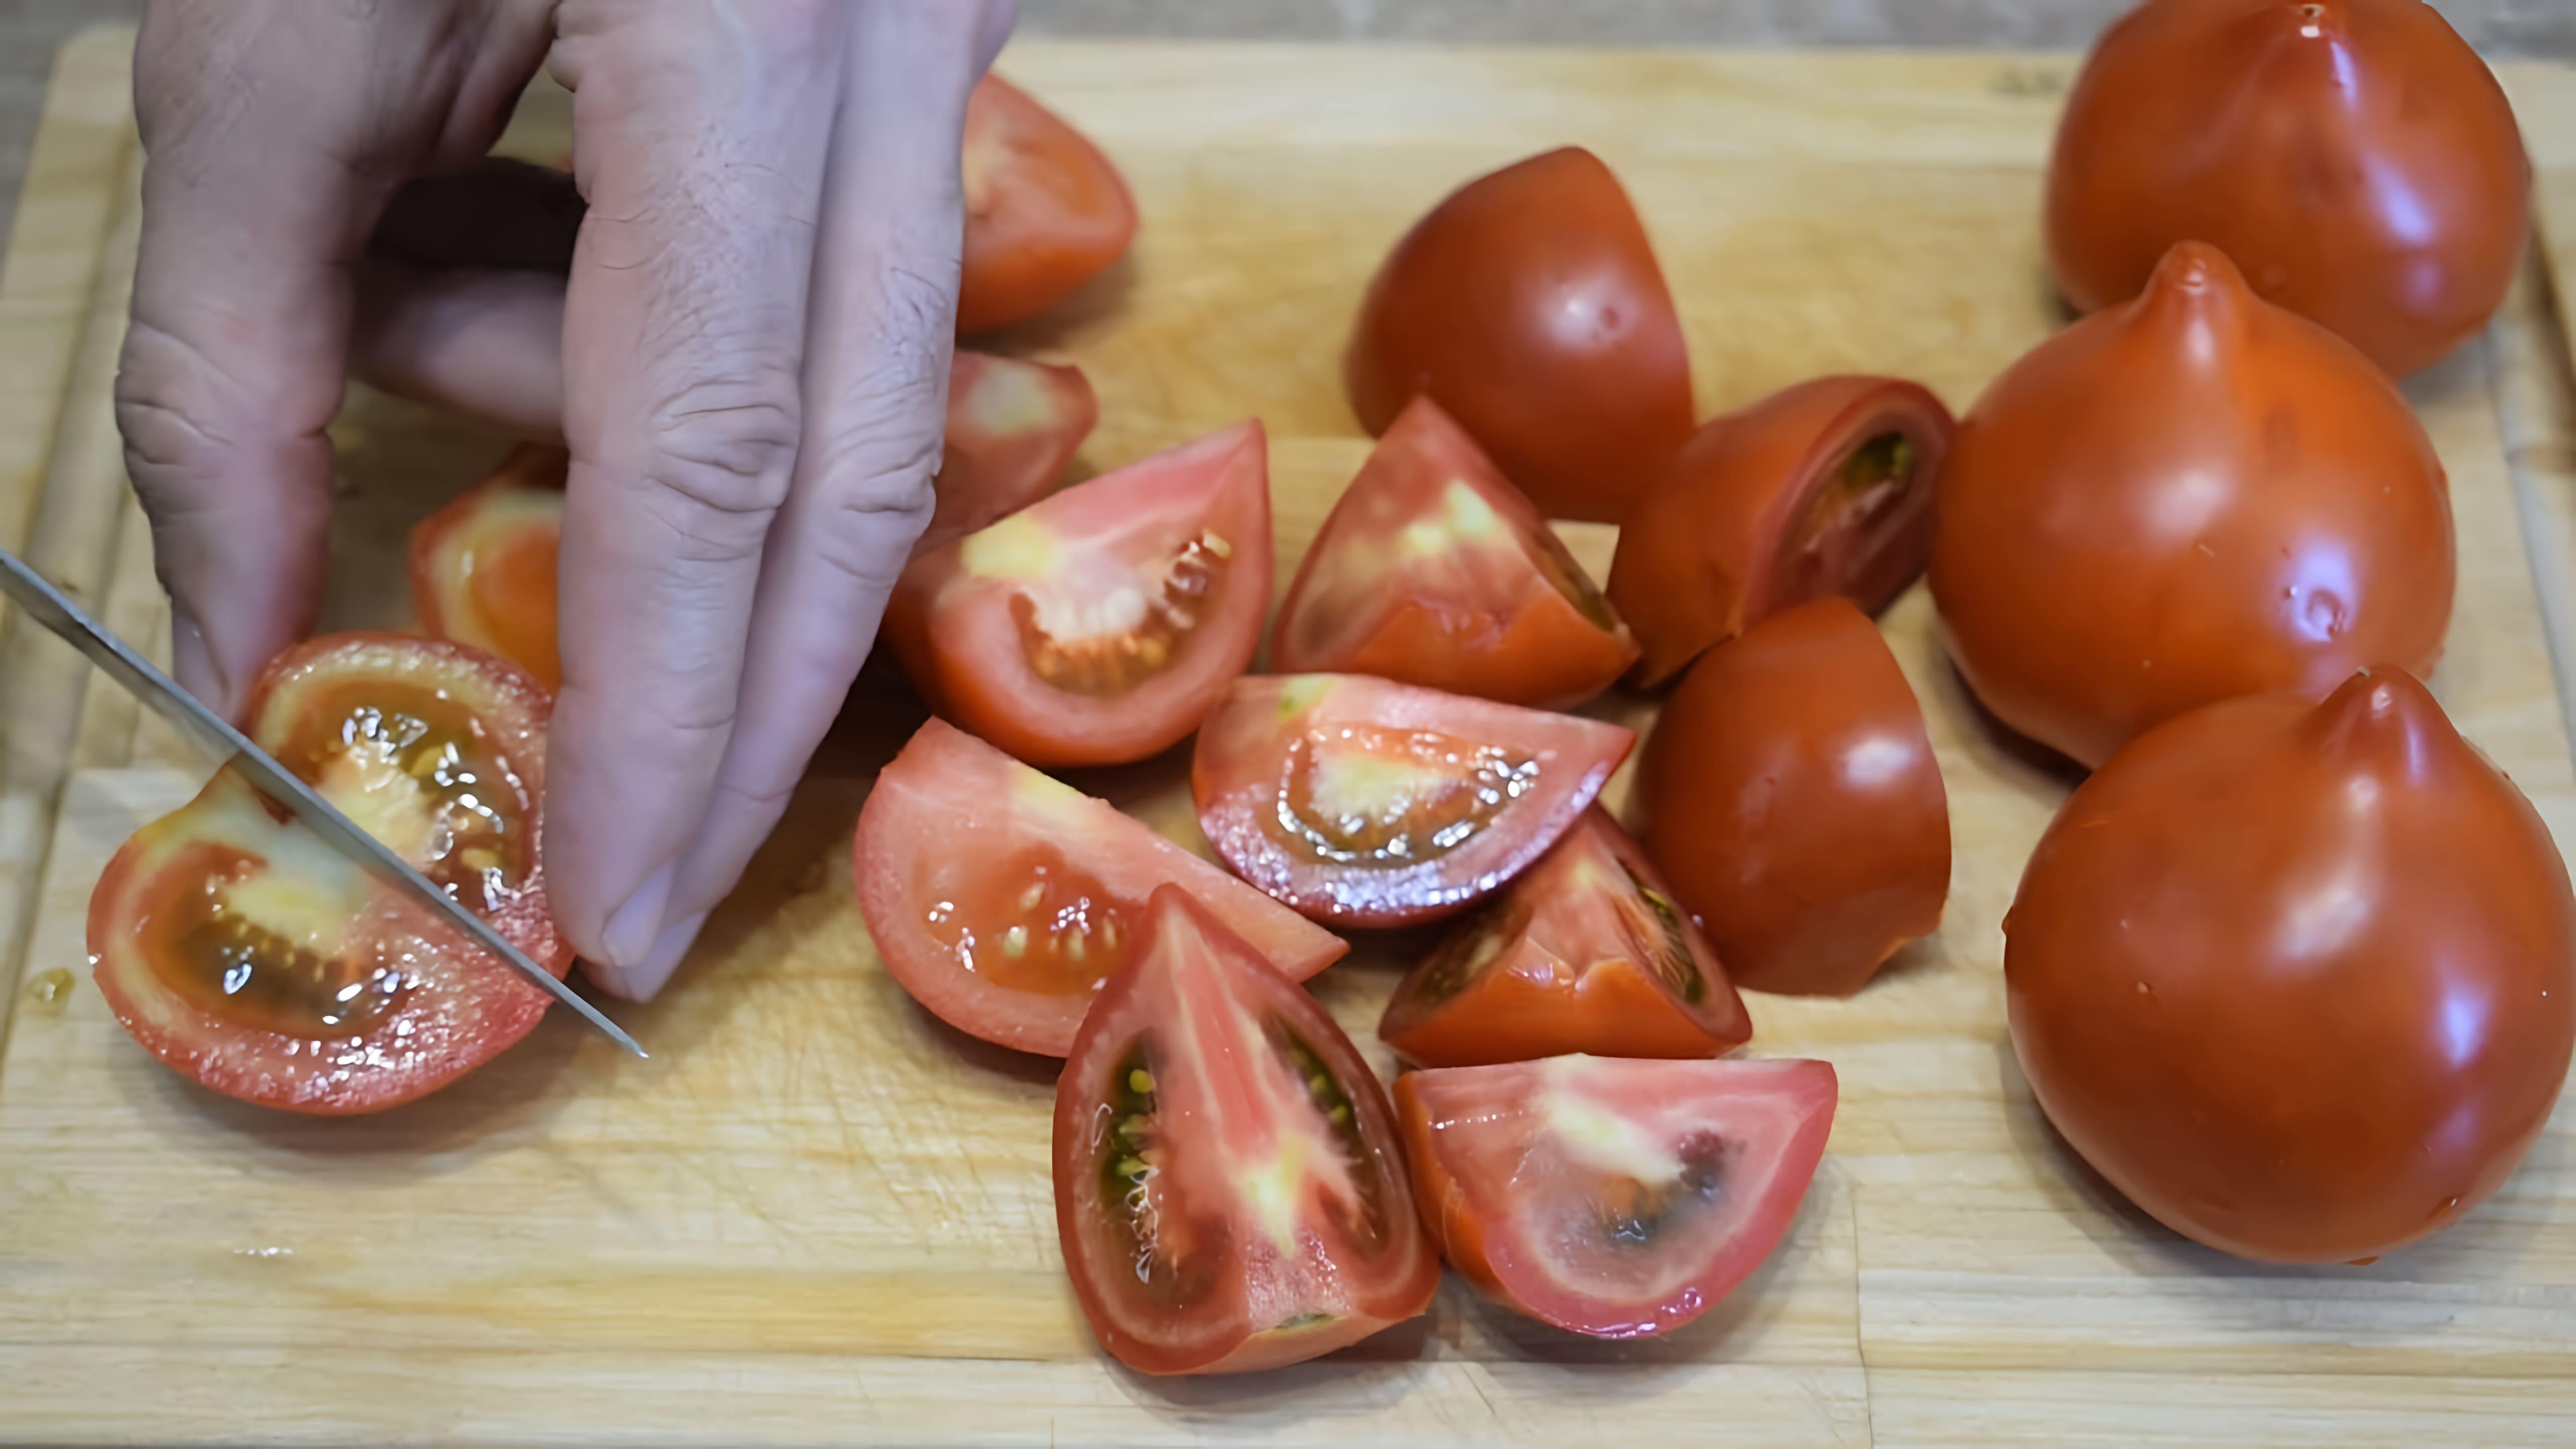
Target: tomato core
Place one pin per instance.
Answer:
(1366, 795)
(1843, 526)
(1105, 646)
(1049, 926)
(416, 769)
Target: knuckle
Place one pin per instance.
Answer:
(726, 445)
(166, 415)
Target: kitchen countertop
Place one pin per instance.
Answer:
(2545, 29)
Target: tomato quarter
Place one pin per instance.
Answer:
(1002, 899)
(1013, 426)
(2193, 496)
(1044, 209)
(1585, 953)
(2354, 157)
(1528, 303)
(1434, 570)
(1100, 625)
(2299, 979)
(483, 567)
(246, 953)
(1614, 1198)
(1228, 1184)
(1791, 796)
(1370, 803)
(1824, 488)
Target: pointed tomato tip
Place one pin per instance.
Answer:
(2197, 267)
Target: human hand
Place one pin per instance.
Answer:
(754, 342)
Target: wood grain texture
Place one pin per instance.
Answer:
(818, 1215)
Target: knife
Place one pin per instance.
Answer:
(51, 608)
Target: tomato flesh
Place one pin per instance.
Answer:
(1002, 900)
(1366, 802)
(1044, 209)
(1614, 1198)
(1098, 626)
(1433, 570)
(1013, 426)
(243, 951)
(1229, 1190)
(483, 567)
(1586, 953)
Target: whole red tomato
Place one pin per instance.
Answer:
(2190, 497)
(2355, 157)
(2300, 979)
(1529, 306)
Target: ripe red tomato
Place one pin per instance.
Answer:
(246, 953)
(2300, 979)
(1002, 899)
(2355, 157)
(1824, 488)
(483, 567)
(1585, 953)
(1369, 803)
(1614, 1198)
(1529, 304)
(2191, 497)
(1098, 626)
(1791, 797)
(1228, 1184)
(1044, 209)
(1434, 570)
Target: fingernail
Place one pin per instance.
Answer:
(643, 982)
(635, 927)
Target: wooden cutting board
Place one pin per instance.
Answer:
(817, 1214)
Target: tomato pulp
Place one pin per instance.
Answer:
(1229, 1188)
(246, 953)
(1002, 899)
(1619, 1199)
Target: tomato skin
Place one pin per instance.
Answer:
(955, 616)
(1478, 1140)
(1574, 971)
(1229, 1106)
(1433, 570)
(950, 809)
(1044, 209)
(475, 1006)
(1528, 302)
(483, 567)
(1244, 772)
(1702, 557)
(2194, 496)
(1792, 798)
(2299, 979)
(2355, 157)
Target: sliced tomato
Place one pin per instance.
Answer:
(1098, 626)
(1002, 899)
(1822, 488)
(246, 953)
(1013, 425)
(483, 567)
(1585, 953)
(1614, 1198)
(1228, 1184)
(1370, 803)
(1044, 209)
(1434, 570)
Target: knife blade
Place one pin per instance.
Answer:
(50, 607)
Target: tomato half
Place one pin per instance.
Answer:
(1824, 488)
(1585, 953)
(1098, 626)
(1002, 899)
(1790, 794)
(1044, 209)
(1529, 304)
(2299, 979)
(1434, 570)
(1228, 1185)
(1370, 803)
(2355, 158)
(1013, 426)
(245, 952)
(1614, 1198)
(2194, 496)
(483, 567)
